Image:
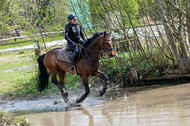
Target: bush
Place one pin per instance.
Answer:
(120, 68)
(6, 120)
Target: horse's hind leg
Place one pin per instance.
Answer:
(105, 77)
(54, 77)
(61, 84)
(87, 90)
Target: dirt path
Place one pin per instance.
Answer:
(18, 68)
(28, 47)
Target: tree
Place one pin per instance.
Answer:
(175, 18)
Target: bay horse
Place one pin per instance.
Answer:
(88, 65)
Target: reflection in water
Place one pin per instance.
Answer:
(48, 121)
(91, 120)
(162, 106)
(67, 119)
(107, 115)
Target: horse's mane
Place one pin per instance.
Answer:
(90, 40)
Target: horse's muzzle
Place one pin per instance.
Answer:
(111, 55)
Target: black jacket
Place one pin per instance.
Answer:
(73, 32)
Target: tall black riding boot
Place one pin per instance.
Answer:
(84, 43)
(74, 58)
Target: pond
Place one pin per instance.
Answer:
(150, 105)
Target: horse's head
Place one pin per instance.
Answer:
(106, 44)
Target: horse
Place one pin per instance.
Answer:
(87, 65)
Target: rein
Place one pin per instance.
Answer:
(89, 58)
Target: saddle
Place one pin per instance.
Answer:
(66, 54)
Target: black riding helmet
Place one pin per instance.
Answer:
(72, 16)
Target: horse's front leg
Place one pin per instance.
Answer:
(87, 90)
(105, 77)
(61, 84)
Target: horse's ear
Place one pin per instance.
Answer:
(110, 33)
(105, 34)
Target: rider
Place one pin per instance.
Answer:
(73, 32)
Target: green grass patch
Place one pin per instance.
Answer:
(15, 60)
(23, 83)
(17, 64)
(17, 82)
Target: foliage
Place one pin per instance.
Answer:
(113, 13)
(6, 120)
(119, 68)
(28, 15)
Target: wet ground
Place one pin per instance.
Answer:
(144, 106)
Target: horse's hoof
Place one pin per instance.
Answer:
(101, 92)
(78, 100)
(66, 100)
(66, 94)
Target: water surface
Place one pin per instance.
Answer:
(162, 106)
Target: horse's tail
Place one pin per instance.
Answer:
(43, 75)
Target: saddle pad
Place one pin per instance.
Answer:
(64, 56)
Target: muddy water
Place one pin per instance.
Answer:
(164, 106)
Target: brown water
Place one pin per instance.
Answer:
(164, 106)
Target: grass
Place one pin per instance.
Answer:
(16, 83)
(22, 82)
(18, 61)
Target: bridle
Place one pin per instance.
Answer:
(99, 52)
(103, 46)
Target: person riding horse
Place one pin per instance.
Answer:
(88, 65)
(73, 32)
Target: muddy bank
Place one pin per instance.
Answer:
(164, 79)
(167, 79)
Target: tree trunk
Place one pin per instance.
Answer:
(188, 22)
(181, 56)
